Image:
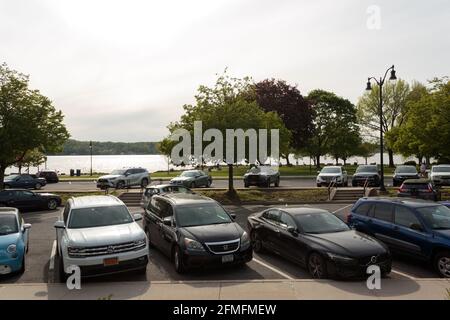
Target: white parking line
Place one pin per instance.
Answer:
(51, 265)
(342, 208)
(273, 269)
(403, 274)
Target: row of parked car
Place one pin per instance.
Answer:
(369, 175)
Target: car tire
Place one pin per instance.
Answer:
(246, 185)
(144, 182)
(37, 186)
(120, 185)
(441, 261)
(256, 243)
(192, 185)
(142, 271)
(319, 185)
(277, 183)
(317, 266)
(208, 184)
(22, 268)
(178, 261)
(52, 204)
(62, 274)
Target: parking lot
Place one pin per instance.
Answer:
(264, 266)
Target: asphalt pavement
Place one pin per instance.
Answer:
(160, 268)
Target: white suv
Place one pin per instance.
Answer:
(122, 178)
(99, 235)
(440, 174)
(332, 173)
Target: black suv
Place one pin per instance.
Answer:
(369, 173)
(195, 231)
(49, 175)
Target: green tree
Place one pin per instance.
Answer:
(367, 149)
(28, 121)
(165, 148)
(32, 158)
(395, 97)
(335, 126)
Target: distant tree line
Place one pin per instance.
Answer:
(75, 147)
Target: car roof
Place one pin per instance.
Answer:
(441, 165)
(94, 201)
(163, 186)
(8, 210)
(405, 166)
(186, 198)
(17, 189)
(411, 202)
(339, 167)
(295, 210)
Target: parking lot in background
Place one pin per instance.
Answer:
(160, 268)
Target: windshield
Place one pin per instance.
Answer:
(331, 170)
(200, 215)
(373, 169)
(441, 169)
(436, 217)
(320, 223)
(406, 169)
(189, 174)
(8, 224)
(99, 217)
(118, 172)
(11, 177)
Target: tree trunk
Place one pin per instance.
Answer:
(419, 158)
(366, 160)
(391, 157)
(427, 161)
(230, 179)
(287, 159)
(345, 161)
(318, 161)
(20, 168)
(2, 176)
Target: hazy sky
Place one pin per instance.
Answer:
(121, 70)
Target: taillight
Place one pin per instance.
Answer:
(402, 188)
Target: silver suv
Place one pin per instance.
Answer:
(122, 178)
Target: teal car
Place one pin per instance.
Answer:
(14, 238)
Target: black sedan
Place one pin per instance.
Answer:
(26, 181)
(262, 176)
(317, 240)
(28, 200)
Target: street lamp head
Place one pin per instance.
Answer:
(393, 76)
(369, 86)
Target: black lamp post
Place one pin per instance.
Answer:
(90, 149)
(380, 83)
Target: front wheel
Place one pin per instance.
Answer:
(52, 204)
(38, 186)
(22, 268)
(120, 185)
(316, 266)
(442, 264)
(178, 261)
(144, 182)
(277, 183)
(208, 184)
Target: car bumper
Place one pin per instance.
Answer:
(127, 261)
(105, 184)
(371, 182)
(256, 182)
(206, 259)
(10, 265)
(355, 271)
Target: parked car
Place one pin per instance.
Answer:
(317, 240)
(14, 240)
(26, 181)
(262, 176)
(440, 174)
(195, 231)
(49, 175)
(98, 234)
(412, 227)
(122, 178)
(193, 179)
(403, 173)
(330, 173)
(369, 173)
(446, 203)
(150, 191)
(419, 188)
(27, 200)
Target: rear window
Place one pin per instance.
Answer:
(363, 208)
(383, 211)
(415, 185)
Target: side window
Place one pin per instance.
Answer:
(383, 211)
(272, 215)
(287, 220)
(155, 206)
(66, 213)
(363, 209)
(405, 217)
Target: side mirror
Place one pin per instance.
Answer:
(416, 226)
(292, 229)
(167, 221)
(233, 216)
(26, 226)
(137, 217)
(59, 225)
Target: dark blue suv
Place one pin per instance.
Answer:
(413, 227)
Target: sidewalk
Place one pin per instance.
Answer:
(404, 289)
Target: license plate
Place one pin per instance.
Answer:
(111, 261)
(227, 258)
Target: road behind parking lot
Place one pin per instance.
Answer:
(160, 268)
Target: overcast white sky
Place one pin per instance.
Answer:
(121, 70)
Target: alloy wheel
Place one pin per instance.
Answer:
(444, 266)
(316, 266)
(52, 204)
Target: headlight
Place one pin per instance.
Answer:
(319, 178)
(193, 245)
(245, 241)
(140, 243)
(341, 259)
(12, 248)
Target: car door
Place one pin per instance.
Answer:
(290, 243)
(167, 233)
(410, 236)
(26, 181)
(380, 222)
(153, 220)
(360, 217)
(268, 232)
(22, 199)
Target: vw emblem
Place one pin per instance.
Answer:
(373, 259)
(110, 249)
(225, 247)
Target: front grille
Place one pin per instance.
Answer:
(253, 178)
(102, 180)
(380, 258)
(223, 247)
(106, 250)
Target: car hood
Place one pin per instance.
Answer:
(214, 232)
(365, 174)
(443, 233)
(329, 174)
(110, 176)
(8, 239)
(406, 174)
(105, 235)
(349, 243)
